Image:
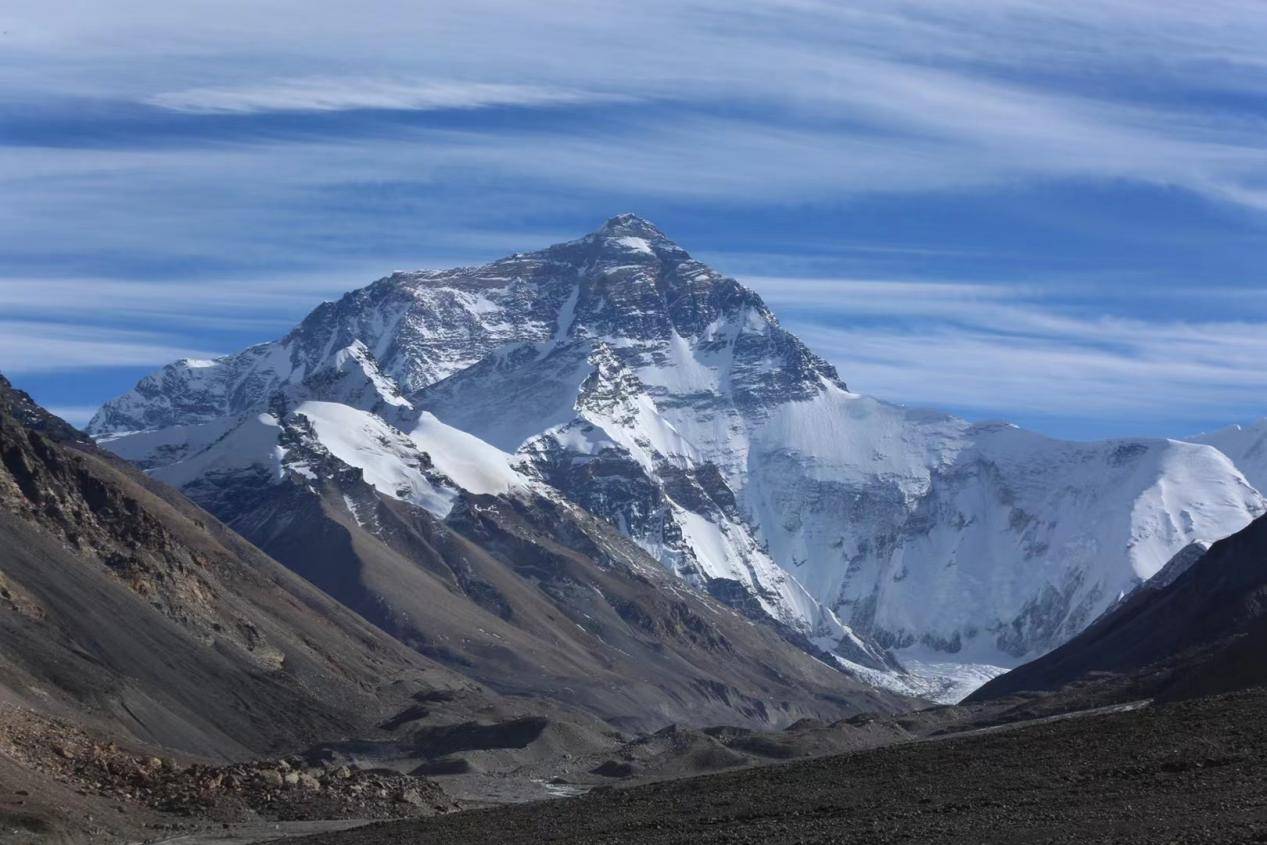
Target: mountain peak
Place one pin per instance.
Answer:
(630, 226)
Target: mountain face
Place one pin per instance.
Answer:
(484, 570)
(1203, 633)
(614, 376)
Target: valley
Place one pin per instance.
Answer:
(1187, 772)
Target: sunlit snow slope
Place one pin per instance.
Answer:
(1245, 445)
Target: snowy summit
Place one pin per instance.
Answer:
(617, 373)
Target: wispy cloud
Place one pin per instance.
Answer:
(38, 347)
(318, 93)
(995, 351)
(228, 142)
(879, 96)
(81, 299)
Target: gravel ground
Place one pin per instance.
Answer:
(1190, 772)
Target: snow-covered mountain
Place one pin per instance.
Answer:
(1245, 445)
(617, 373)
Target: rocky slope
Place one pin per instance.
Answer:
(124, 605)
(618, 374)
(1204, 632)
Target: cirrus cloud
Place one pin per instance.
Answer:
(994, 350)
(322, 93)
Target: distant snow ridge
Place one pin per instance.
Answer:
(619, 373)
(1246, 446)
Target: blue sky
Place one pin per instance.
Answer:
(1049, 213)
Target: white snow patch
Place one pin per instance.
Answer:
(474, 464)
(390, 462)
(636, 245)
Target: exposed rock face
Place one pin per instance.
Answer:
(63, 492)
(617, 373)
